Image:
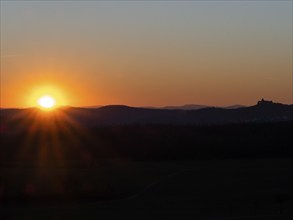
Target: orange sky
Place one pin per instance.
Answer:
(146, 54)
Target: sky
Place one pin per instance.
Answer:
(139, 53)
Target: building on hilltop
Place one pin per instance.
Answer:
(264, 102)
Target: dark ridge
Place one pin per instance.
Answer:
(263, 111)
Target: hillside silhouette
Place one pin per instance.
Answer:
(263, 111)
(262, 130)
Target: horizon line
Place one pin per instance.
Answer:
(154, 107)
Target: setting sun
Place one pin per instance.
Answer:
(46, 97)
(47, 102)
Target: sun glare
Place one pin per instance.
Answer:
(46, 97)
(46, 102)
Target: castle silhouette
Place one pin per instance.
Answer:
(263, 102)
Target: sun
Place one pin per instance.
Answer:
(46, 97)
(47, 102)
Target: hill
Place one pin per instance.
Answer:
(263, 111)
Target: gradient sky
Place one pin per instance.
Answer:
(142, 53)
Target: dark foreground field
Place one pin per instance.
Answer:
(58, 169)
(218, 189)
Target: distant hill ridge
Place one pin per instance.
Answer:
(196, 107)
(180, 107)
(263, 111)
